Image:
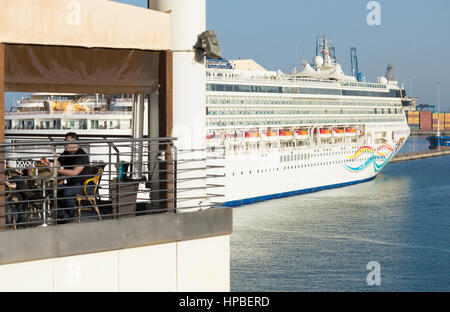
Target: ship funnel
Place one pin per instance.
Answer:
(390, 75)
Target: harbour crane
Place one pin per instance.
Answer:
(355, 68)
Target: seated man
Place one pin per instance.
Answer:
(20, 195)
(75, 163)
(12, 205)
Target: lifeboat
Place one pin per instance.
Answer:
(270, 135)
(338, 132)
(285, 135)
(350, 132)
(235, 137)
(214, 138)
(251, 136)
(325, 133)
(301, 135)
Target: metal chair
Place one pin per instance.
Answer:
(91, 198)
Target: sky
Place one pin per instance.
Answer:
(411, 35)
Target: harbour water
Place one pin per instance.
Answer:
(324, 241)
(415, 144)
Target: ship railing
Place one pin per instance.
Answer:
(371, 85)
(258, 78)
(42, 129)
(30, 101)
(124, 178)
(216, 74)
(244, 151)
(53, 112)
(234, 75)
(124, 100)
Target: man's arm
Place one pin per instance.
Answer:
(71, 172)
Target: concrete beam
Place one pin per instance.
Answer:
(75, 239)
(84, 23)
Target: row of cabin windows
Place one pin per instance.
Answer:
(364, 85)
(297, 90)
(242, 111)
(288, 158)
(66, 125)
(283, 121)
(269, 76)
(315, 153)
(211, 100)
(321, 164)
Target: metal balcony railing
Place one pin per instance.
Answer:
(119, 177)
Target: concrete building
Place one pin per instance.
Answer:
(187, 251)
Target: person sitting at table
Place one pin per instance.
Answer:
(75, 168)
(13, 206)
(20, 194)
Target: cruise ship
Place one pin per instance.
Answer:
(56, 113)
(277, 135)
(268, 134)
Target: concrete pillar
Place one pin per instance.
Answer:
(188, 20)
(2, 134)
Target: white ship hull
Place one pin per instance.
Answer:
(261, 176)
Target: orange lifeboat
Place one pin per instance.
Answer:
(301, 134)
(350, 131)
(270, 135)
(325, 133)
(251, 135)
(235, 136)
(338, 132)
(285, 134)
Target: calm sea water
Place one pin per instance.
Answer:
(415, 144)
(323, 241)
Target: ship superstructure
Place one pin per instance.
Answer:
(57, 113)
(282, 134)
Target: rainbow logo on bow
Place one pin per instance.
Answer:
(379, 157)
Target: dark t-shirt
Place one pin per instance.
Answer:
(70, 161)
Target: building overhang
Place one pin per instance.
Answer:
(83, 23)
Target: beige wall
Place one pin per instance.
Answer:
(87, 23)
(194, 265)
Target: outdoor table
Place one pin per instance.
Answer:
(45, 180)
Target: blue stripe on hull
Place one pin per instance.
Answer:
(252, 200)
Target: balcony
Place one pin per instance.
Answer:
(136, 191)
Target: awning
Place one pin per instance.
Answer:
(36, 68)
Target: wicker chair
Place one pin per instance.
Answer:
(91, 199)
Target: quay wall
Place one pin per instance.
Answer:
(420, 155)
